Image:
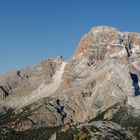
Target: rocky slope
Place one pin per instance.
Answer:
(100, 130)
(16, 87)
(99, 82)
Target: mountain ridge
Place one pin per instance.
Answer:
(102, 72)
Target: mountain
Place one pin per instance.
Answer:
(93, 95)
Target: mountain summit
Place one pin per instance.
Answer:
(95, 94)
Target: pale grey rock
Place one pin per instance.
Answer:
(21, 83)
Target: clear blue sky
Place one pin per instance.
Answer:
(33, 30)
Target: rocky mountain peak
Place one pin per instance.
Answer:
(103, 29)
(103, 42)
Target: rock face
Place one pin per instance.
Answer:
(99, 74)
(16, 87)
(103, 72)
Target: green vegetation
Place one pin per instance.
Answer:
(81, 136)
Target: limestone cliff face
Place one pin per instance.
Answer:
(99, 72)
(102, 72)
(108, 40)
